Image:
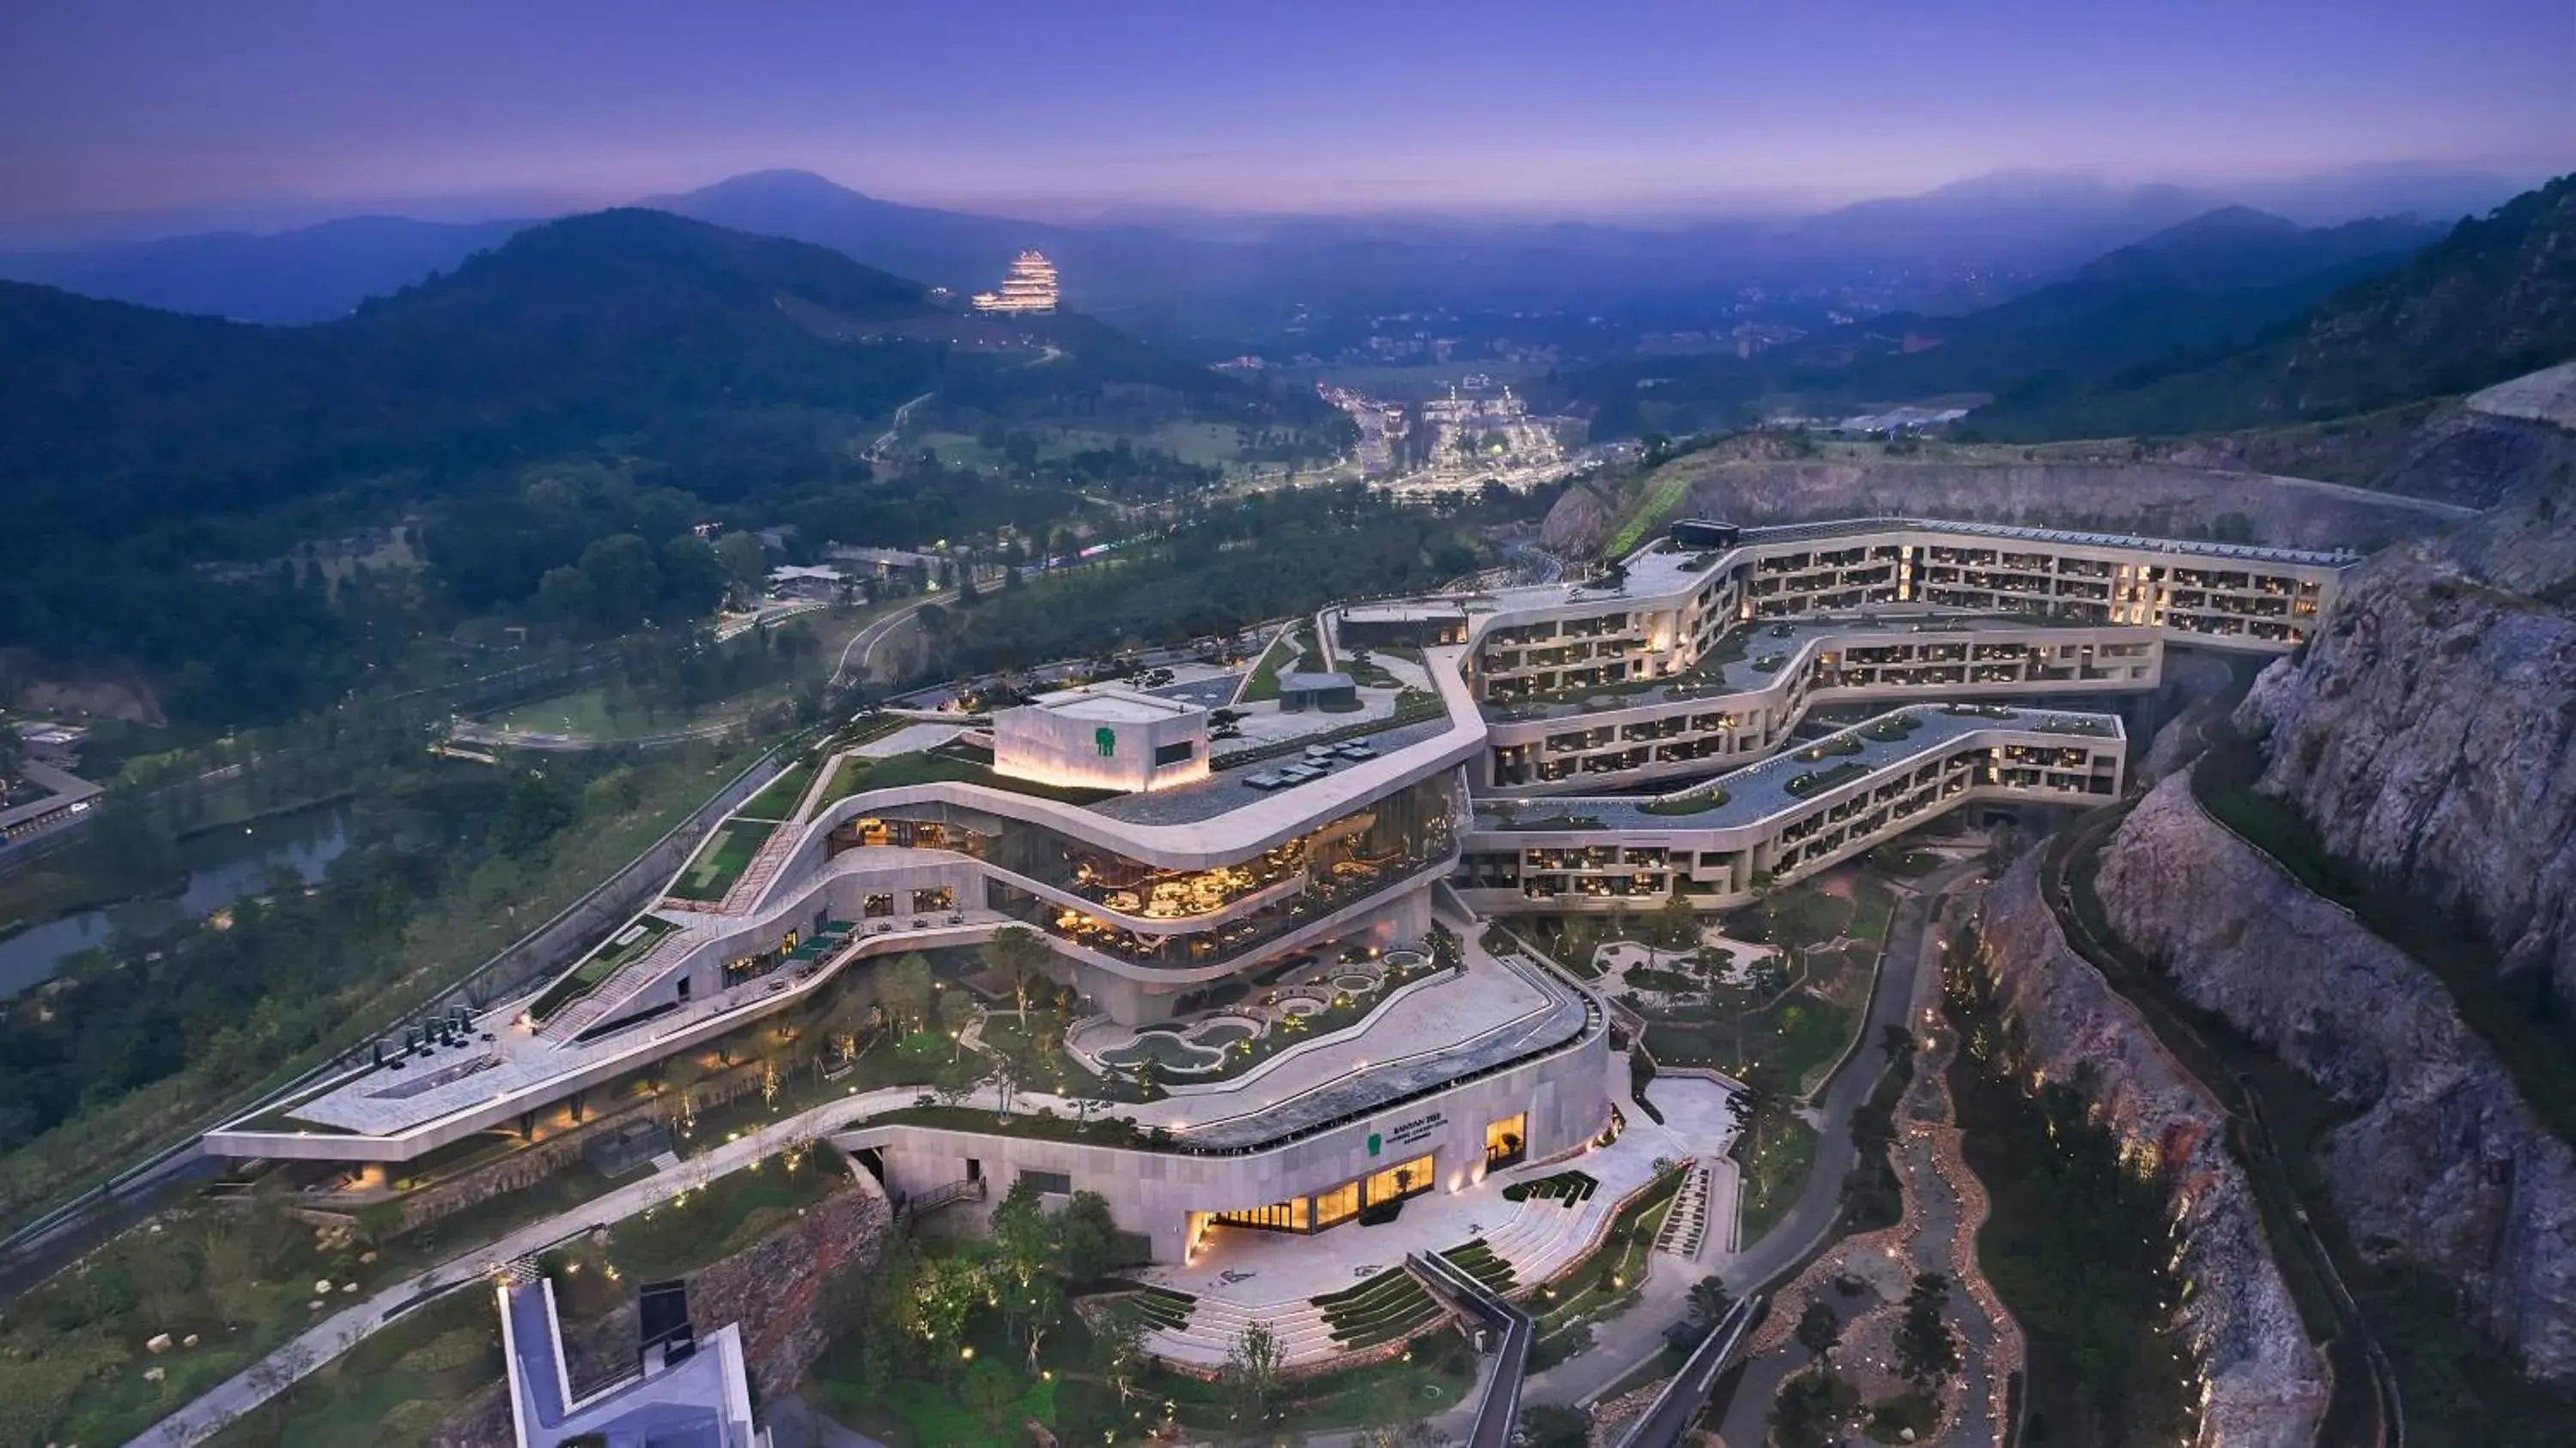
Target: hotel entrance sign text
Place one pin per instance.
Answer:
(1406, 1133)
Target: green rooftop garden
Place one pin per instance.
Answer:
(720, 862)
(1696, 802)
(943, 767)
(604, 962)
(1823, 779)
(777, 800)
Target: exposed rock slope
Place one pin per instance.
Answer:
(2155, 498)
(2268, 1384)
(2430, 729)
(2445, 1160)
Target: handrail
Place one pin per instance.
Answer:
(1670, 1415)
(1501, 1406)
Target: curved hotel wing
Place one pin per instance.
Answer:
(1524, 779)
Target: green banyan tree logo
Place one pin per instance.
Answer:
(1107, 739)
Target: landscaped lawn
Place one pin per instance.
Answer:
(586, 714)
(1694, 803)
(603, 963)
(1798, 1038)
(1265, 675)
(393, 1388)
(924, 767)
(777, 799)
(721, 860)
(726, 1215)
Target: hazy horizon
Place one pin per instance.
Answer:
(165, 108)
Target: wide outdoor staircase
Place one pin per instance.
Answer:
(1544, 1235)
(1686, 1225)
(1207, 1328)
(581, 1014)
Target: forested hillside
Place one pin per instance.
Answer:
(628, 372)
(2494, 299)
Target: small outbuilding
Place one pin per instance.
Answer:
(1333, 693)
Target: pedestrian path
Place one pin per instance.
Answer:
(1685, 1227)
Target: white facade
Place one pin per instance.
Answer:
(1168, 1194)
(1103, 738)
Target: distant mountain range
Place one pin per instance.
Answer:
(311, 274)
(2220, 279)
(2021, 221)
(2492, 299)
(631, 323)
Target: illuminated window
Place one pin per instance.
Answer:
(1338, 1205)
(1506, 1139)
(1401, 1180)
(1287, 1216)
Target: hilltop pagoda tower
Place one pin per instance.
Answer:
(1027, 288)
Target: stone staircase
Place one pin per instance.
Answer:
(1215, 1325)
(1686, 1225)
(667, 1161)
(1544, 1235)
(582, 1014)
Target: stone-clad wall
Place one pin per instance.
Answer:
(775, 1288)
(1154, 1192)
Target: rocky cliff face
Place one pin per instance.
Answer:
(2148, 498)
(2268, 1384)
(2445, 1163)
(2429, 731)
(2182, 496)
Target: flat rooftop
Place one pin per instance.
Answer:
(1497, 1013)
(61, 790)
(1402, 612)
(1759, 791)
(1113, 705)
(1733, 665)
(1228, 788)
(2007, 532)
(376, 1101)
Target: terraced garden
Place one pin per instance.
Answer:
(1482, 1263)
(1569, 1189)
(1162, 1307)
(1383, 1309)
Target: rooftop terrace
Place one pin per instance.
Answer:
(1847, 527)
(1734, 663)
(1759, 791)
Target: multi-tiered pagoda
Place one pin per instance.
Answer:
(1029, 286)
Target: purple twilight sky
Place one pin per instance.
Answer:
(158, 105)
